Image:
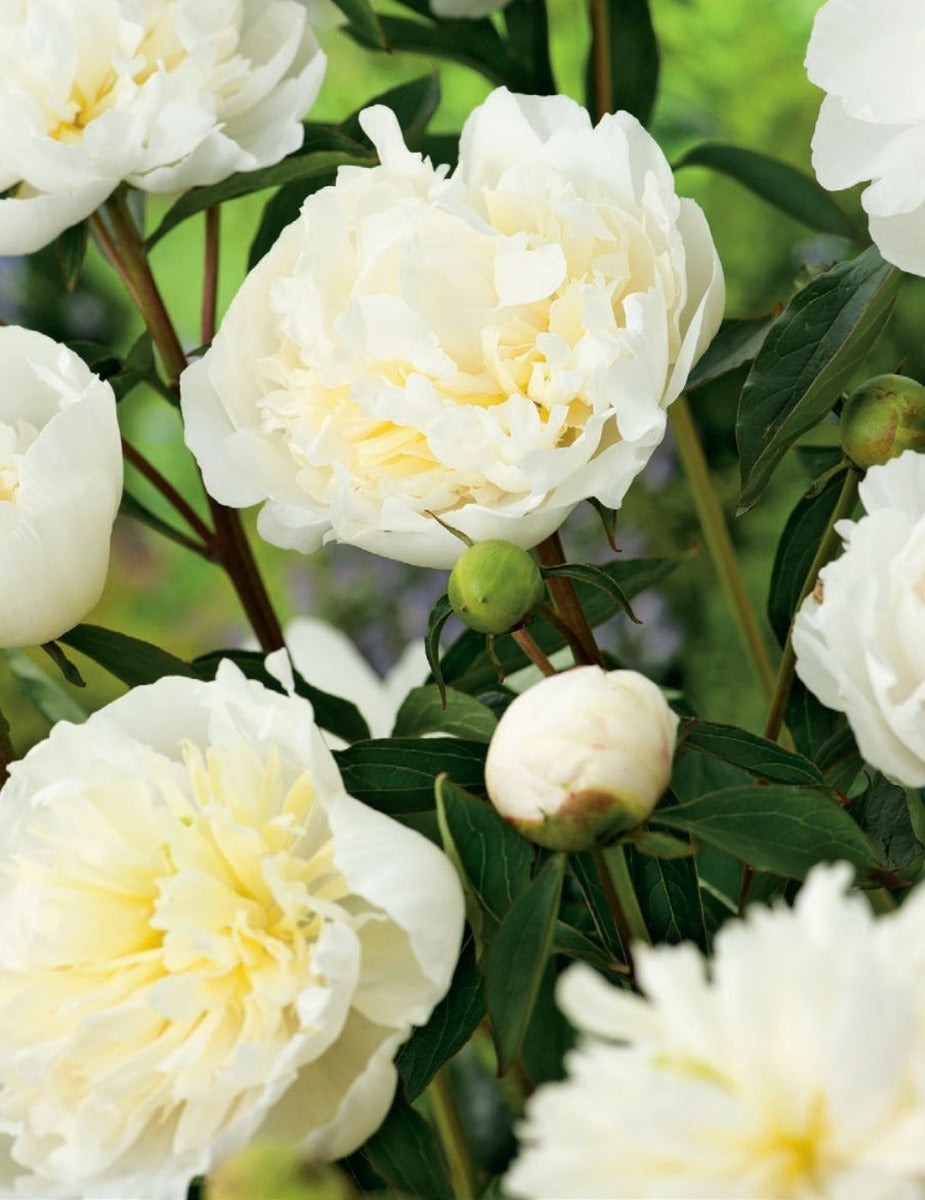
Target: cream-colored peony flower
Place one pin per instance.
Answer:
(793, 1068)
(583, 753)
(165, 94)
(203, 938)
(60, 486)
(859, 636)
(467, 9)
(491, 346)
(866, 54)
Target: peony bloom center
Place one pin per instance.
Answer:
(13, 444)
(801, 1154)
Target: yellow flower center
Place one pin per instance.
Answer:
(9, 482)
(799, 1151)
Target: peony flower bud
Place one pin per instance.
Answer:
(495, 586)
(882, 418)
(581, 756)
(277, 1171)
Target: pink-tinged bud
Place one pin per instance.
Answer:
(581, 757)
(882, 418)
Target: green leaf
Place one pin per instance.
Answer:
(405, 1152)
(450, 1026)
(527, 25)
(787, 188)
(811, 724)
(784, 830)
(495, 859)
(549, 1035)
(130, 659)
(130, 506)
(333, 713)
(631, 48)
(655, 844)
(467, 666)
(883, 812)
(757, 755)
(304, 166)
(518, 958)
(594, 577)
(64, 664)
(813, 350)
(71, 251)
(738, 341)
(840, 760)
(413, 103)
(584, 870)
(669, 897)
(574, 943)
(422, 712)
(362, 17)
(45, 694)
(439, 615)
(796, 550)
(397, 775)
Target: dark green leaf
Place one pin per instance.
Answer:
(450, 1026)
(757, 755)
(573, 943)
(439, 615)
(518, 959)
(608, 520)
(128, 658)
(64, 664)
(281, 210)
(655, 844)
(405, 1152)
(840, 760)
(340, 717)
(787, 188)
(796, 550)
(413, 103)
(397, 775)
(631, 49)
(669, 897)
(594, 577)
(810, 354)
(362, 17)
(583, 868)
(45, 694)
(527, 25)
(71, 251)
(549, 1035)
(785, 830)
(422, 712)
(738, 341)
(495, 859)
(811, 724)
(883, 813)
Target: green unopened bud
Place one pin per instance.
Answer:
(882, 418)
(495, 586)
(270, 1171)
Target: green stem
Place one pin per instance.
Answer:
(719, 543)
(449, 1130)
(620, 894)
(228, 545)
(600, 58)
(828, 545)
(169, 492)
(567, 605)
(210, 275)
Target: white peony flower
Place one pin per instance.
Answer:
(866, 54)
(467, 9)
(491, 346)
(859, 637)
(789, 1069)
(165, 94)
(580, 754)
(60, 486)
(202, 938)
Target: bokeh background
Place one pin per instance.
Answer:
(731, 70)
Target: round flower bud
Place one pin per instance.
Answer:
(882, 418)
(495, 586)
(581, 756)
(280, 1171)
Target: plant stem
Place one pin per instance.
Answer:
(719, 543)
(567, 605)
(827, 546)
(210, 275)
(600, 58)
(228, 545)
(452, 1139)
(168, 491)
(533, 651)
(620, 894)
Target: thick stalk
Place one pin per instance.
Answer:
(449, 1130)
(169, 492)
(567, 605)
(228, 544)
(719, 543)
(532, 650)
(620, 894)
(827, 547)
(600, 58)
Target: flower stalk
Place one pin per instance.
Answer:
(450, 1132)
(613, 873)
(567, 605)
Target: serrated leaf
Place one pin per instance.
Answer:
(450, 1026)
(422, 712)
(785, 187)
(405, 1152)
(594, 577)
(784, 830)
(397, 775)
(45, 694)
(333, 713)
(796, 550)
(810, 354)
(631, 48)
(738, 341)
(362, 17)
(130, 659)
(758, 756)
(518, 958)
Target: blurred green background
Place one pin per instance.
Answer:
(730, 70)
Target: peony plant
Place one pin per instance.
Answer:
(609, 883)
